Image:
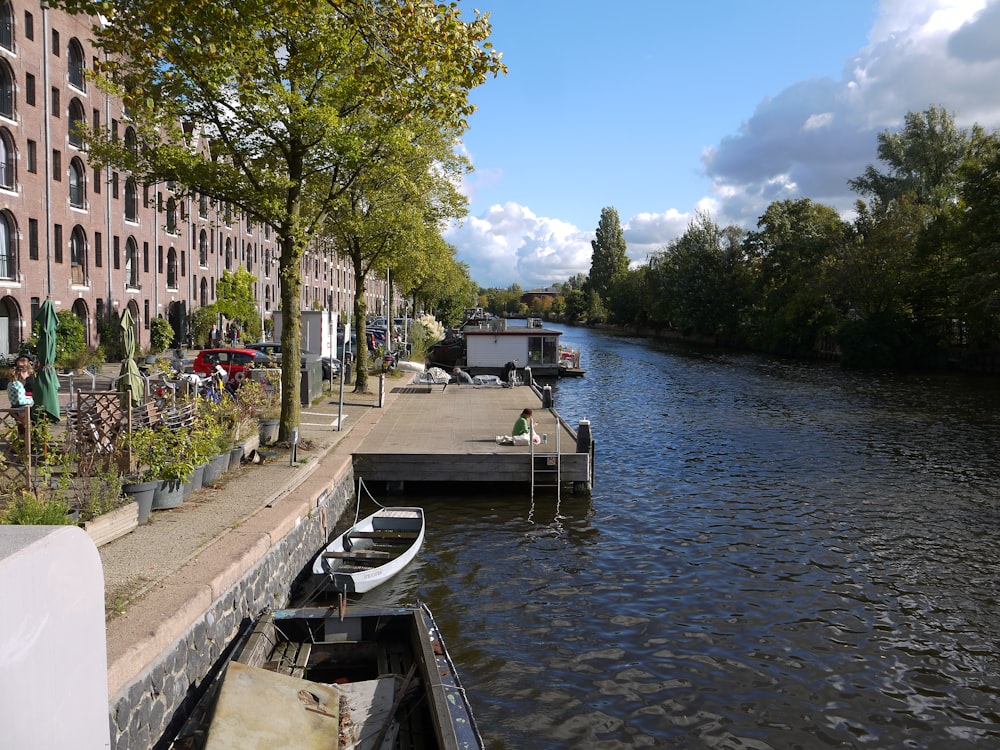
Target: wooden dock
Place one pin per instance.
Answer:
(438, 434)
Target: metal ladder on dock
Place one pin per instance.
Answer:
(546, 468)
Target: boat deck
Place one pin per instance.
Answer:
(448, 434)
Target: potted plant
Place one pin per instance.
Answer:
(203, 439)
(268, 415)
(268, 425)
(139, 484)
(25, 508)
(163, 457)
(212, 442)
(249, 401)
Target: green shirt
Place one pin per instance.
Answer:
(520, 427)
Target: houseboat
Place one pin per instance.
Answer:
(491, 344)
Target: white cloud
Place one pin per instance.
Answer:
(646, 233)
(815, 122)
(806, 140)
(811, 138)
(509, 244)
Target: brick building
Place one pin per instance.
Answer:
(97, 240)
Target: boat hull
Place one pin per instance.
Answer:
(371, 552)
(378, 672)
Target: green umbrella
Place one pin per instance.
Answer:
(46, 393)
(129, 380)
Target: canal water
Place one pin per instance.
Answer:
(775, 555)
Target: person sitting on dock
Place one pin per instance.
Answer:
(460, 377)
(523, 432)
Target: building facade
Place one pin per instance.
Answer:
(98, 241)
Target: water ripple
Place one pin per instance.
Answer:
(775, 555)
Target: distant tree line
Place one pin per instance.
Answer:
(914, 276)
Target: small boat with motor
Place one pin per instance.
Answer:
(569, 363)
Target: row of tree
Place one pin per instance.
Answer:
(915, 273)
(333, 121)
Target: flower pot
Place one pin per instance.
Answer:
(214, 468)
(267, 429)
(142, 493)
(235, 456)
(169, 494)
(196, 480)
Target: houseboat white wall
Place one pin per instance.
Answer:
(530, 347)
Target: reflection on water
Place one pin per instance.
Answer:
(775, 555)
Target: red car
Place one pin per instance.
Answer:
(234, 361)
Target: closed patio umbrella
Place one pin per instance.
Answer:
(129, 380)
(46, 393)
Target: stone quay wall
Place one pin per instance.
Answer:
(148, 712)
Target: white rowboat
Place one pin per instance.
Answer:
(372, 551)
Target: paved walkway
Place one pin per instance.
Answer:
(459, 420)
(161, 577)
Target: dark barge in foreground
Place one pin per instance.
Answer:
(303, 678)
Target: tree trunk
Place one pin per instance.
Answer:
(360, 311)
(291, 332)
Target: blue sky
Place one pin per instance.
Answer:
(661, 108)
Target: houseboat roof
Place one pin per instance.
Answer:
(500, 327)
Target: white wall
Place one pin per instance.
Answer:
(489, 350)
(319, 331)
(53, 654)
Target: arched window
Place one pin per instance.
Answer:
(131, 200)
(229, 254)
(8, 250)
(6, 26)
(131, 145)
(131, 264)
(77, 184)
(76, 65)
(267, 297)
(78, 255)
(6, 160)
(6, 92)
(171, 268)
(203, 248)
(203, 292)
(172, 215)
(77, 123)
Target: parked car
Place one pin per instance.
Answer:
(270, 348)
(376, 338)
(331, 365)
(234, 361)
